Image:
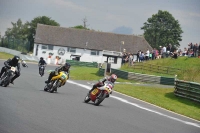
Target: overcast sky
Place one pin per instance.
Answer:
(119, 16)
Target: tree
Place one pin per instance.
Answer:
(80, 27)
(33, 25)
(162, 29)
(18, 30)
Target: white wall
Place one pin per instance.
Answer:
(84, 53)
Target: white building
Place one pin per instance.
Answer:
(84, 45)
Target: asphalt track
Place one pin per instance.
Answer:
(26, 108)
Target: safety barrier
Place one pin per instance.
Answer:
(140, 77)
(79, 63)
(189, 90)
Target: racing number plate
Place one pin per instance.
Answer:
(94, 92)
(64, 76)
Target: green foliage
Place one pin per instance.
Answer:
(162, 29)
(33, 25)
(80, 27)
(20, 31)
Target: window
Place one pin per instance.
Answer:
(44, 46)
(48, 47)
(113, 60)
(93, 52)
(72, 50)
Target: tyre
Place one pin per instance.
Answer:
(46, 88)
(87, 99)
(5, 81)
(100, 99)
(54, 87)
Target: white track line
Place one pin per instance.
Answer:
(138, 106)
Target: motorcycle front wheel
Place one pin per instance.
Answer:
(46, 88)
(54, 87)
(87, 99)
(5, 81)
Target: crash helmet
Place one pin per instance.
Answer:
(15, 59)
(41, 58)
(113, 78)
(67, 65)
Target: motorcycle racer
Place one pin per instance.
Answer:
(64, 68)
(42, 62)
(8, 64)
(101, 82)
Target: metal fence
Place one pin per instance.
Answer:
(156, 68)
(15, 44)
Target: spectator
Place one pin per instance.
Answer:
(184, 52)
(195, 49)
(147, 55)
(154, 54)
(174, 54)
(163, 52)
(141, 56)
(130, 60)
(191, 53)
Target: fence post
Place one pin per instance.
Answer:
(150, 67)
(167, 70)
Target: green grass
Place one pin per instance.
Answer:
(190, 68)
(162, 97)
(156, 95)
(5, 55)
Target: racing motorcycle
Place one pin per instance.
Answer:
(24, 63)
(41, 70)
(99, 93)
(7, 76)
(56, 82)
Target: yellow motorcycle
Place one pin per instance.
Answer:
(56, 82)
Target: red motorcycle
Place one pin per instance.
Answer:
(99, 93)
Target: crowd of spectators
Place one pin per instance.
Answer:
(193, 50)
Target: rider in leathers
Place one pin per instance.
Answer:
(14, 62)
(111, 78)
(64, 68)
(42, 62)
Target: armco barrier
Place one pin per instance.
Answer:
(189, 90)
(140, 77)
(143, 77)
(79, 63)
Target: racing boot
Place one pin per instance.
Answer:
(12, 82)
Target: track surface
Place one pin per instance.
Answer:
(26, 108)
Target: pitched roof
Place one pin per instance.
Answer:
(71, 37)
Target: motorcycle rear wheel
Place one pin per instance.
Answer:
(100, 99)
